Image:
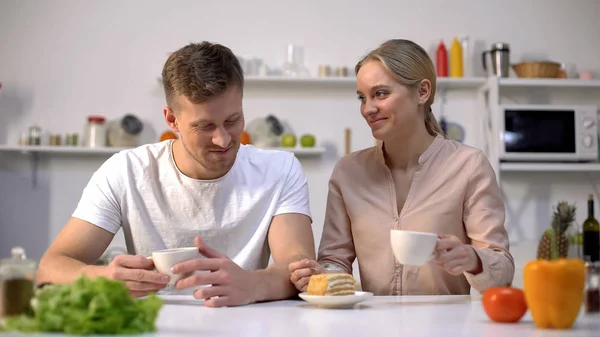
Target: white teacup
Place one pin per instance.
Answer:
(165, 259)
(413, 248)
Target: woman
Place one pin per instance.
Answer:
(414, 179)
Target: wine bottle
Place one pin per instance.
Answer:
(591, 234)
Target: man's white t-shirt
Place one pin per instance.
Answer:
(143, 189)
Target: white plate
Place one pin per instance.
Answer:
(336, 301)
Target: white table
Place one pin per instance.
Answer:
(406, 316)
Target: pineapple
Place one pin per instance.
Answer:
(554, 243)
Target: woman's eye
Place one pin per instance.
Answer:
(381, 94)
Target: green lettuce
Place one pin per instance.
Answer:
(88, 306)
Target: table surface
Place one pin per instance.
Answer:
(379, 316)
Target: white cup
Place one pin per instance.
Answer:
(413, 248)
(165, 259)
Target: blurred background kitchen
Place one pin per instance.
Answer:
(81, 79)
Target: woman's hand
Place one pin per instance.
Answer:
(456, 257)
(302, 271)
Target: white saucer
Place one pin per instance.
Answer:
(336, 301)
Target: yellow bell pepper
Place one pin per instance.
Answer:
(554, 291)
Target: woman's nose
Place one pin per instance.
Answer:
(369, 107)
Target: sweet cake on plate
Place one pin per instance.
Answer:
(338, 284)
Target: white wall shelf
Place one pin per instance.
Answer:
(548, 83)
(64, 149)
(442, 82)
(302, 151)
(35, 151)
(550, 167)
(80, 150)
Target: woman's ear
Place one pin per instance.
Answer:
(424, 91)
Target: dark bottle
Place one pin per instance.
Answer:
(591, 234)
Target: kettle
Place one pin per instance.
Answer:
(125, 132)
(500, 58)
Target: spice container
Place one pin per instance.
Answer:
(55, 140)
(17, 283)
(592, 287)
(324, 70)
(341, 71)
(95, 132)
(72, 139)
(24, 139)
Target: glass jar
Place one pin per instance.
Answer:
(592, 287)
(17, 283)
(35, 135)
(294, 64)
(95, 132)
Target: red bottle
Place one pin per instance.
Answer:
(442, 60)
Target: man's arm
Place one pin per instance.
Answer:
(89, 232)
(77, 246)
(91, 228)
(290, 236)
(80, 244)
(290, 239)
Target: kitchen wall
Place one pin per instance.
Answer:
(63, 60)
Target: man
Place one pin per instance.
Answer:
(236, 203)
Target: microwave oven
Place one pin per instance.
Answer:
(552, 133)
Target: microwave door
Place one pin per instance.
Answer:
(539, 135)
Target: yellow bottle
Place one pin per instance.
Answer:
(456, 59)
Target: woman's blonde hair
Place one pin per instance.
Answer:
(409, 64)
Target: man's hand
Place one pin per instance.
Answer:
(137, 272)
(227, 284)
(456, 257)
(302, 270)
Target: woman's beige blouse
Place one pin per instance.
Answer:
(454, 191)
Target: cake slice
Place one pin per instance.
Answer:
(338, 284)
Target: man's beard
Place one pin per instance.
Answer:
(221, 166)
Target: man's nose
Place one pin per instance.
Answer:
(221, 137)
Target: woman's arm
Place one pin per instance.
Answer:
(483, 218)
(336, 250)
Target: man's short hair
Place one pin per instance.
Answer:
(201, 71)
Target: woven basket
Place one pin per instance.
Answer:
(537, 69)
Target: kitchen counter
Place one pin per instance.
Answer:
(377, 316)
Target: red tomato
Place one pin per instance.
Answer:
(504, 304)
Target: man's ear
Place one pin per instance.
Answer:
(171, 119)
